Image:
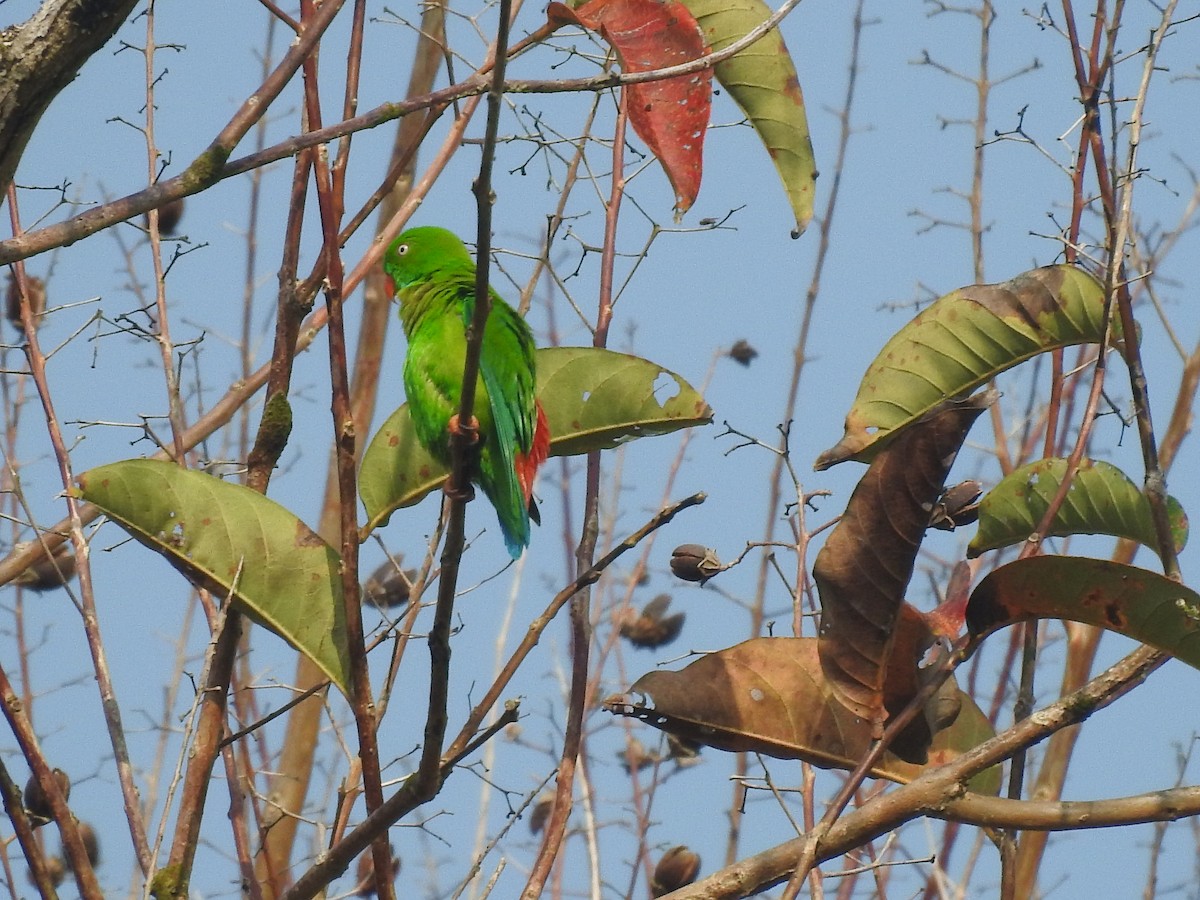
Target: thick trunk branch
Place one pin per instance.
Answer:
(40, 58)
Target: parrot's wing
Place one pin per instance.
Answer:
(506, 367)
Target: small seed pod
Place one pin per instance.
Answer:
(743, 353)
(635, 757)
(91, 844)
(37, 300)
(653, 627)
(367, 886)
(37, 804)
(692, 562)
(169, 215)
(540, 814)
(678, 867)
(958, 505)
(389, 586)
(55, 868)
(47, 573)
(942, 709)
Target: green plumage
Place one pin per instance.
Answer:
(434, 277)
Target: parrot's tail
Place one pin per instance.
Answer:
(527, 464)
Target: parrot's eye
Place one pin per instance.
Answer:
(402, 250)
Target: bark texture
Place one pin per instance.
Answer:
(40, 58)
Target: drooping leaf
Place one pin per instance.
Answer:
(234, 542)
(1100, 500)
(762, 80)
(864, 568)
(670, 115)
(594, 399)
(396, 471)
(961, 341)
(1137, 603)
(768, 695)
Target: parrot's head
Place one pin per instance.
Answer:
(421, 254)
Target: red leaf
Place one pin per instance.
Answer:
(671, 116)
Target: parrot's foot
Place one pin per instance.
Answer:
(470, 431)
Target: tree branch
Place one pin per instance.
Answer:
(42, 57)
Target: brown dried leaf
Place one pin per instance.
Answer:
(865, 566)
(768, 695)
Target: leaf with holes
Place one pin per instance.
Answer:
(670, 115)
(1137, 603)
(864, 568)
(1100, 500)
(963, 340)
(762, 80)
(768, 695)
(236, 543)
(594, 400)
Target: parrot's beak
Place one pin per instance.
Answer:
(389, 287)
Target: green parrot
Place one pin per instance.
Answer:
(434, 278)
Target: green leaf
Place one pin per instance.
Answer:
(594, 400)
(234, 542)
(762, 80)
(396, 471)
(1101, 500)
(961, 341)
(1139, 604)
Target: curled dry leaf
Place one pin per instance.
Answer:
(864, 568)
(768, 695)
(947, 620)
